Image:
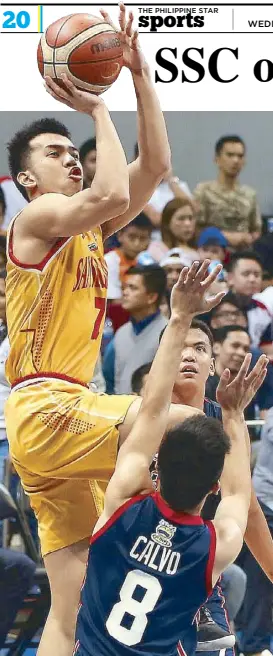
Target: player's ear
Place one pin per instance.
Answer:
(212, 367)
(152, 298)
(26, 179)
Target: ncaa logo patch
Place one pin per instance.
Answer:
(164, 534)
(93, 245)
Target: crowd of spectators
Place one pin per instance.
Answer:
(219, 220)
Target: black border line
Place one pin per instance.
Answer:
(139, 4)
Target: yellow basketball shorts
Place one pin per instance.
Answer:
(63, 442)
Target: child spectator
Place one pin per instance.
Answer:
(212, 244)
(133, 239)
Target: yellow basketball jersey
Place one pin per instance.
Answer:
(56, 309)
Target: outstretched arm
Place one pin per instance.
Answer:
(135, 455)
(232, 513)
(153, 161)
(257, 536)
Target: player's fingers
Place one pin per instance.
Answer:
(182, 277)
(215, 300)
(56, 96)
(134, 40)
(59, 91)
(69, 84)
(242, 373)
(192, 272)
(202, 271)
(259, 381)
(51, 91)
(223, 382)
(122, 16)
(107, 18)
(259, 366)
(51, 84)
(129, 24)
(212, 276)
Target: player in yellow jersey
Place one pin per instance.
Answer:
(63, 438)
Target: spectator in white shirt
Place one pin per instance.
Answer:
(170, 187)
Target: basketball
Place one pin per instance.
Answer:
(84, 47)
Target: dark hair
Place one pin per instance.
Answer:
(2, 199)
(3, 248)
(19, 145)
(140, 221)
(168, 211)
(3, 274)
(196, 324)
(136, 150)
(138, 375)
(232, 138)
(154, 278)
(190, 461)
(220, 334)
(231, 298)
(243, 255)
(86, 148)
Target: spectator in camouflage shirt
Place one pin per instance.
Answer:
(225, 203)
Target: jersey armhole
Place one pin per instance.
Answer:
(39, 267)
(116, 515)
(211, 557)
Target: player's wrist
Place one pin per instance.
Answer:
(177, 319)
(142, 75)
(233, 414)
(99, 110)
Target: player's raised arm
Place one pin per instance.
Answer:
(135, 455)
(154, 161)
(75, 211)
(232, 513)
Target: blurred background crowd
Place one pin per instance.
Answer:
(219, 219)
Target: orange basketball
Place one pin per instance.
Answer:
(84, 47)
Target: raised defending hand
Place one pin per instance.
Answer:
(133, 57)
(236, 395)
(82, 101)
(189, 294)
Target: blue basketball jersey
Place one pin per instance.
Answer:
(149, 570)
(212, 409)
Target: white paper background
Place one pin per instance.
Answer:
(22, 88)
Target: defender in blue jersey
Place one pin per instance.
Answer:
(152, 559)
(196, 365)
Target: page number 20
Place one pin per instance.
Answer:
(12, 20)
